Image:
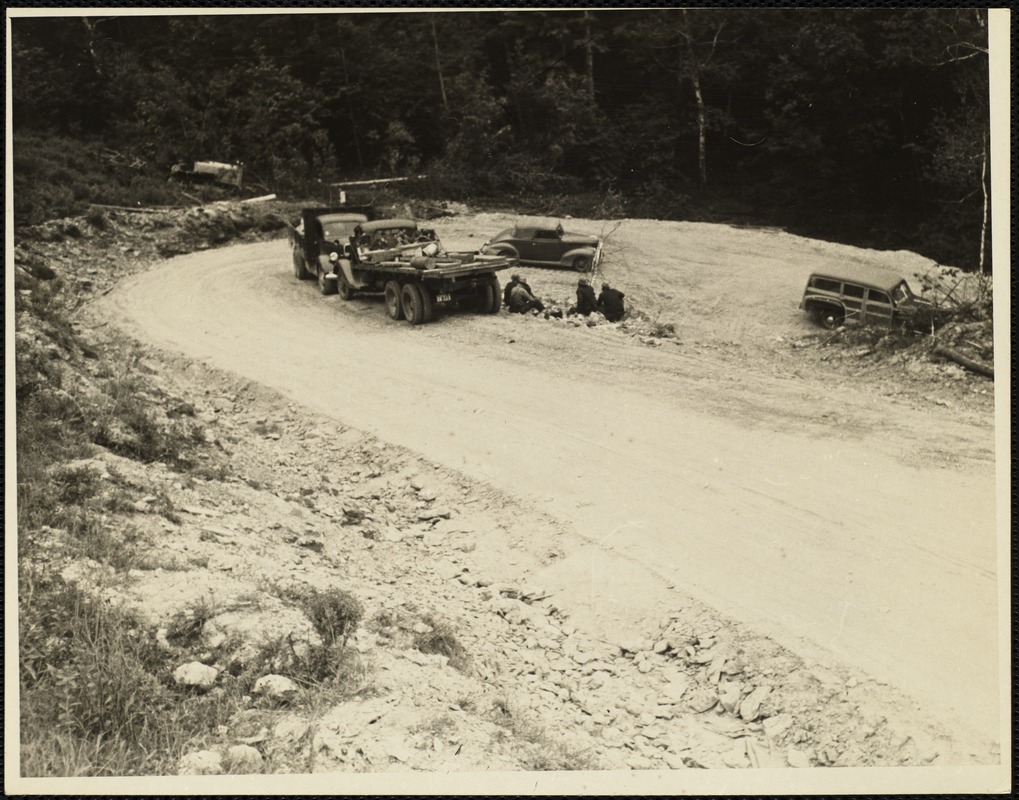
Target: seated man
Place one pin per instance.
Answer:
(586, 302)
(522, 301)
(610, 303)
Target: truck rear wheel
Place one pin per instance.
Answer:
(394, 305)
(343, 285)
(417, 304)
(300, 271)
(491, 297)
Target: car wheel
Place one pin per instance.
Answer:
(582, 264)
(831, 318)
(394, 306)
(343, 285)
(300, 271)
(417, 304)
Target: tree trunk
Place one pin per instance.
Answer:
(588, 55)
(702, 155)
(971, 364)
(987, 204)
(90, 29)
(695, 80)
(438, 66)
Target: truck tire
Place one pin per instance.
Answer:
(325, 285)
(300, 271)
(343, 285)
(417, 304)
(394, 304)
(491, 297)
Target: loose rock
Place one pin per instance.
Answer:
(195, 674)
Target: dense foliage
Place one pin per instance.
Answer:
(863, 124)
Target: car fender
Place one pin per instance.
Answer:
(344, 266)
(500, 249)
(566, 259)
(812, 301)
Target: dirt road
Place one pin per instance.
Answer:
(851, 527)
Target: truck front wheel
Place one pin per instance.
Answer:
(417, 304)
(343, 285)
(394, 306)
(325, 285)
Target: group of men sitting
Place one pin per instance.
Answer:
(519, 299)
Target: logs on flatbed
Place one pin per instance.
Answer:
(971, 364)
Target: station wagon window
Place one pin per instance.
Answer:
(852, 290)
(874, 296)
(826, 284)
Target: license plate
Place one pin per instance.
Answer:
(442, 298)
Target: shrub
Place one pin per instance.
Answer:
(335, 614)
(97, 218)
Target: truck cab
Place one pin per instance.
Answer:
(320, 232)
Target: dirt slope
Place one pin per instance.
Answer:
(851, 521)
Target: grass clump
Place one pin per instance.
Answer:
(96, 691)
(335, 614)
(441, 640)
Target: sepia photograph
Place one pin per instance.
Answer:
(507, 401)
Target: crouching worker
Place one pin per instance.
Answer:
(586, 302)
(521, 300)
(610, 303)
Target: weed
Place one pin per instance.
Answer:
(544, 753)
(442, 640)
(75, 485)
(335, 614)
(185, 629)
(97, 218)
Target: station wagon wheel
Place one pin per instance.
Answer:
(299, 270)
(394, 307)
(417, 304)
(343, 285)
(582, 264)
(831, 318)
(325, 286)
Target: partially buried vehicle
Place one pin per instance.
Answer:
(546, 245)
(860, 293)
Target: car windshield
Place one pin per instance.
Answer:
(339, 227)
(902, 292)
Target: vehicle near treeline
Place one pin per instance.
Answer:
(866, 295)
(348, 252)
(546, 245)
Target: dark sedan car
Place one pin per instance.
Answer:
(546, 246)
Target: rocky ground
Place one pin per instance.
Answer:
(450, 667)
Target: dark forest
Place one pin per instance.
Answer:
(862, 125)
